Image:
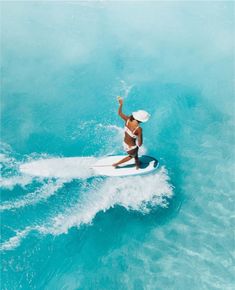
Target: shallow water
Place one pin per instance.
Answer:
(62, 66)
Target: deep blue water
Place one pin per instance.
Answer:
(62, 66)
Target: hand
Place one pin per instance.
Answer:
(120, 100)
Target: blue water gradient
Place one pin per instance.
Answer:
(62, 66)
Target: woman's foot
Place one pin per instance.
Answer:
(115, 165)
(121, 161)
(137, 163)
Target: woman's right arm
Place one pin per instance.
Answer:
(120, 113)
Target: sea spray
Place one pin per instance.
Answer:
(133, 193)
(43, 193)
(139, 193)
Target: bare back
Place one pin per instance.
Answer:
(133, 126)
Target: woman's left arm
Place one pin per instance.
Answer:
(140, 137)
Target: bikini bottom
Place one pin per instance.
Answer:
(128, 148)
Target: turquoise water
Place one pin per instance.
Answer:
(62, 66)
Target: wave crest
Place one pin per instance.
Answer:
(139, 193)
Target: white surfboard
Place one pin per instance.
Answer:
(64, 167)
(104, 166)
(84, 167)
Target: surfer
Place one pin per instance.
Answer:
(133, 138)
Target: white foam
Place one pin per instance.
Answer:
(10, 182)
(4, 158)
(111, 127)
(15, 241)
(11, 176)
(40, 194)
(8, 162)
(125, 88)
(133, 193)
(136, 193)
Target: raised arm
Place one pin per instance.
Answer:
(120, 113)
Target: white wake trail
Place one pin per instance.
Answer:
(139, 193)
(39, 195)
(15, 241)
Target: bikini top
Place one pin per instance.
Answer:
(129, 132)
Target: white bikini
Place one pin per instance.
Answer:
(132, 135)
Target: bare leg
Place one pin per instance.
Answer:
(137, 162)
(122, 161)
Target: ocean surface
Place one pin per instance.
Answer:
(62, 66)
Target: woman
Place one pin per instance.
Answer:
(133, 133)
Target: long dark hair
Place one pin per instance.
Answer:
(132, 118)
